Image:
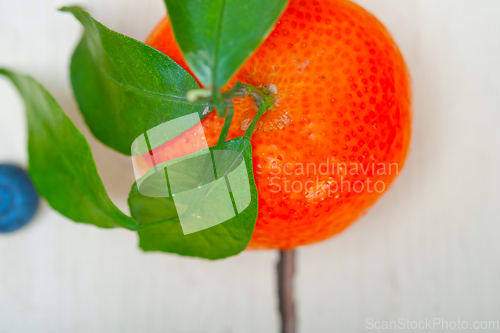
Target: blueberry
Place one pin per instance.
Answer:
(18, 198)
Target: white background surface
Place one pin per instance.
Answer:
(428, 249)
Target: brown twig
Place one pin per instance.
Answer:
(286, 268)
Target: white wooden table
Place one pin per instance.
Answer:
(428, 249)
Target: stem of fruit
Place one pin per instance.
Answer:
(264, 101)
(255, 92)
(286, 269)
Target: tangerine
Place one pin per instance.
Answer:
(340, 129)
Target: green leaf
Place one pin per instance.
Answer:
(217, 36)
(125, 87)
(159, 224)
(60, 161)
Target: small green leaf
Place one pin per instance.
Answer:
(159, 224)
(125, 87)
(61, 163)
(217, 36)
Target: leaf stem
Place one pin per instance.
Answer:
(250, 129)
(219, 103)
(225, 127)
(205, 95)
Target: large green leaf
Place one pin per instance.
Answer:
(159, 224)
(60, 161)
(125, 87)
(217, 36)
